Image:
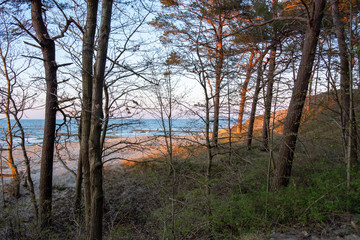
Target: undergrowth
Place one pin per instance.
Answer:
(240, 203)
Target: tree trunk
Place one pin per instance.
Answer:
(48, 50)
(287, 147)
(244, 91)
(97, 195)
(107, 116)
(87, 75)
(28, 169)
(344, 82)
(268, 98)
(254, 103)
(9, 133)
(218, 80)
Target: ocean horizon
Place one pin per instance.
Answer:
(34, 128)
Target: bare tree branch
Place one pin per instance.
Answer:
(41, 59)
(64, 65)
(68, 22)
(26, 30)
(31, 44)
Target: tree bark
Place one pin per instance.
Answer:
(244, 90)
(344, 83)
(254, 103)
(48, 50)
(287, 147)
(268, 98)
(218, 80)
(97, 194)
(87, 75)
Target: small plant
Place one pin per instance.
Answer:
(60, 187)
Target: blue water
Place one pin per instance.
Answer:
(117, 128)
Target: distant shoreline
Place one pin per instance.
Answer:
(120, 128)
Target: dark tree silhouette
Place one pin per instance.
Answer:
(286, 153)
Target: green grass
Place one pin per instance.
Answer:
(240, 204)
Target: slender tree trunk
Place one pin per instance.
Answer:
(344, 82)
(107, 116)
(244, 90)
(286, 153)
(9, 133)
(28, 169)
(166, 116)
(96, 176)
(10, 141)
(268, 98)
(79, 180)
(208, 143)
(87, 75)
(218, 80)
(328, 73)
(7, 111)
(48, 50)
(210, 154)
(270, 81)
(78, 187)
(254, 103)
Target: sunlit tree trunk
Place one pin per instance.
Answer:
(218, 79)
(254, 102)
(47, 156)
(9, 132)
(96, 176)
(244, 90)
(287, 147)
(15, 109)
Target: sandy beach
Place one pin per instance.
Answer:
(117, 152)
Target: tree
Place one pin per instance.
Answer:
(118, 83)
(286, 153)
(9, 76)
(47, 45)
(258, 86)
(87, 88)
(18, 97)
(95, 150)
(270, 77)
(206, 25)
(244, 88)
(269, 95)
(348, 135)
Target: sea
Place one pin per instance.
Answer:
(34, 129)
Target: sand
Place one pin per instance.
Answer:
(118, 152)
